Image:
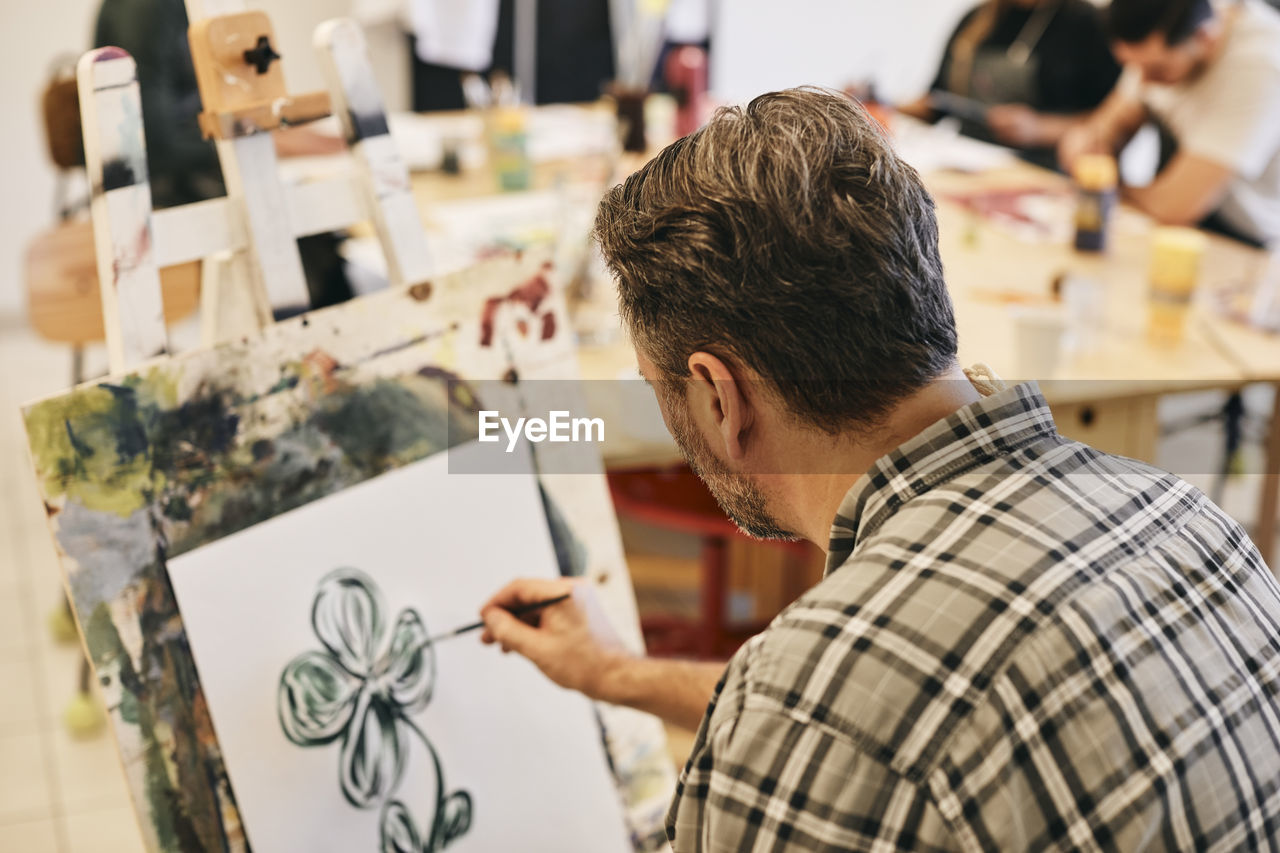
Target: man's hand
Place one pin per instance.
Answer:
(574, 645)
(571, 642)
(1080, 140)
(1109, 128)
(1015, 124)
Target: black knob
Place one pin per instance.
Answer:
(261, 55)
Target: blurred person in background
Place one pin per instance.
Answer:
(1211, 76)
(1028, 70)
(572, 51)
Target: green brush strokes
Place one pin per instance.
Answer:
(81, 443)
(112, 661)
(119, 448)
(386, 424)
(346, 436)
(180, 774)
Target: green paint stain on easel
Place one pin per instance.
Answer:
(389, 423)
(84, 446)
(112, 448)
(177, 785)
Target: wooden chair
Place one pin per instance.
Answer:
(64, 303)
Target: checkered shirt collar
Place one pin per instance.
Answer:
(976, 433)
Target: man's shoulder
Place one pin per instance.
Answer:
(860, 655)
(1260, 28)
(1252, 48)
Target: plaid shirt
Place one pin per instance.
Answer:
(1021, 643)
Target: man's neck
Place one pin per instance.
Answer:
(814, 499)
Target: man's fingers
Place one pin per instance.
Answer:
(528, 591)
(510, 632)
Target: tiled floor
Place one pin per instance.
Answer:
(56, 793)
(66, 795)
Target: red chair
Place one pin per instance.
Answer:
(673, 498)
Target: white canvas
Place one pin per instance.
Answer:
(528, 753)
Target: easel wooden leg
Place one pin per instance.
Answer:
(116, 163)
(83, 717)
(230, 306)
(1269, 501)
(388, 192)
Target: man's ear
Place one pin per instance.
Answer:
(718, 397)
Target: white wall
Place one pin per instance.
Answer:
(761, 45)
(36, 31)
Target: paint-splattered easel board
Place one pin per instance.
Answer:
(138, 469)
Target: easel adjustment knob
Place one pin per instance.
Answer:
(241, 83)
(261, 55)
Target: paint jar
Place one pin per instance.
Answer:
(1084, 303)
(686, 74)
(1096, 178)
(1038, 334)
(1175, 271)
(451, 155)
(631, 120)
(510, 147)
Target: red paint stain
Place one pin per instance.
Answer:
(531, 294)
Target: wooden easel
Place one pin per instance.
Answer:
(248, 238)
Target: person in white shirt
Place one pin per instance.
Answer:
(1211, 74)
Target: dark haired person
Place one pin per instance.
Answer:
(1040, 65)
(1211, 75)
(1020, 643)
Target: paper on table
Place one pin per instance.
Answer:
(528, 753)
(940, 147)
(554, 133)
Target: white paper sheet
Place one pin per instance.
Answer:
(528, 753)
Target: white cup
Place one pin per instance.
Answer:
(1037, 339)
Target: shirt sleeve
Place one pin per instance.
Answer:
(1241, 128)
(763, 780)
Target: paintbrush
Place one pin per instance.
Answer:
(518, 610)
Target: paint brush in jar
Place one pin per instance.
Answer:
(518, 610)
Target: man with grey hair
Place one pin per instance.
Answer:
(1019, 643)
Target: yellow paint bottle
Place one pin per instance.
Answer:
(509, 146)
(1175, 270)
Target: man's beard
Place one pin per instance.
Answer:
(741, 500)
